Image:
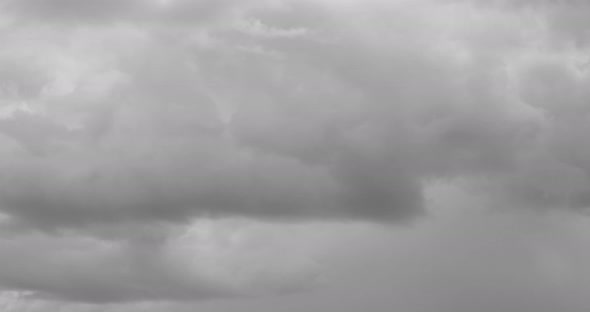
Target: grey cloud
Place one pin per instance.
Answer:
(20, 80)
(68, 12)
(88, 270)
(347, 118)
(143, 262)
(80, 11)
(567, 21)
(463, 258)
(289, 128)
(33, 132)
(166, 153)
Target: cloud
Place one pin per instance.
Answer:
(462, 258)
(106, 12)
(75, 269)
(138, 263)
(135, 114)
(146, 137)
(565, 21)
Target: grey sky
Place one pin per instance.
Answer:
(294, 155)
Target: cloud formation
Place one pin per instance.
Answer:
(147, 115)
(154, 131)
(206, 260)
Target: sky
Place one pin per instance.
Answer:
(294, 155)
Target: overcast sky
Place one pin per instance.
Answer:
(294, 155)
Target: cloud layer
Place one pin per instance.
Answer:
(125, 120)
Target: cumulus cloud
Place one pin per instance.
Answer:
(180, 130)
(122, 116)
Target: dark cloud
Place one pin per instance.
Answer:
(307, 111)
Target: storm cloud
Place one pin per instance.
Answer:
(125, 125)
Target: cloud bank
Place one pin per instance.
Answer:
(125, 120)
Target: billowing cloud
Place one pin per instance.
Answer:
(185, 129)
(125, 120)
